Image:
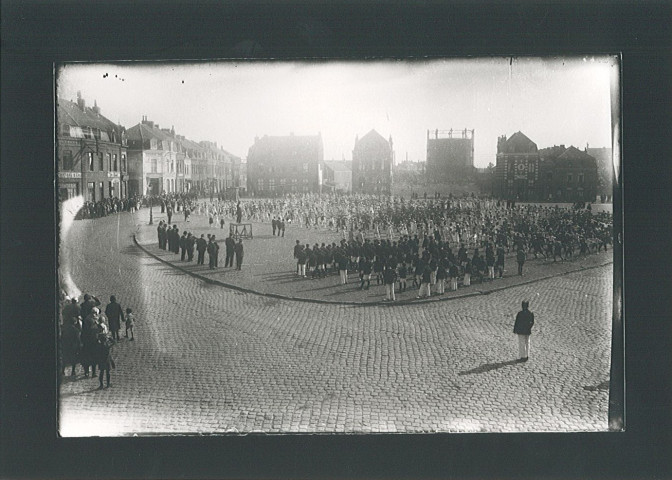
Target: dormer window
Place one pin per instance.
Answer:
(153, 144)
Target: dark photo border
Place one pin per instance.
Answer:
(36, 35)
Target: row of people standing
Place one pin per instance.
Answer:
(170, 239)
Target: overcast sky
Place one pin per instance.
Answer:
(553, 100)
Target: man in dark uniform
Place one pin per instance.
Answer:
(213, 249)
(169, 212)
(201, 247)
(297, 249)
(183, 245)
(191, 241)
(523, 328)
(274, 223)
(239, 253)
(230, 244)
(281, 226)
(159, 233)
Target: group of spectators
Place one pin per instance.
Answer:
(169, 239)
(87, 335)
(108, 206)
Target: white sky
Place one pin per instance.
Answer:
(553, 100)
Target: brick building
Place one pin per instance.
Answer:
(517, 168)
(449, 153)
(559, 174)
(281, 164)
(568, 175)
(372, 162)
(91, 153)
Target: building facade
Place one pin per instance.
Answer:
(372, 163)
(91, 153)
(570, 176)
(282, 164)
(559, 174)
(449, 153)
(152, 159)
(517, 168)
(338, 176)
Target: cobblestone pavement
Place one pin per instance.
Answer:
(209, 359)
(269, 266)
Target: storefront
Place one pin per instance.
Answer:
(69, 185)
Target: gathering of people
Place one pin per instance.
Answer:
(454, 243)
(87, 335)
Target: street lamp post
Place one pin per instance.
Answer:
(151, 204)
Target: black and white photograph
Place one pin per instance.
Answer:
(383, 246)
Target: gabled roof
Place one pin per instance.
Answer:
(144, 132)
(576, 155)
(602, 155)
(69, 113)
(341, 166)
(519, 143)
(371, 138)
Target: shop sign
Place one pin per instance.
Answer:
(69, 174)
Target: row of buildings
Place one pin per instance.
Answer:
(100, 159)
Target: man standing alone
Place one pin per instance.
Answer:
(523, 328)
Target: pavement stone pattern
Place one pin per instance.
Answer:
(208, 359)
(269, 266)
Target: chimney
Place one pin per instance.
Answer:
(96, 108)
(80, 101)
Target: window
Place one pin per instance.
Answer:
(89, 157)
(152, 144)
(67, 160)
(271, 184)
(101, 162)
(110, 187)
(123, 162)
(580, 178)
(86, 131)
(109, 162)
(569, 178)
(65, 130)
(91, 188)
(153, 165)
(114, 163)
(101, 189)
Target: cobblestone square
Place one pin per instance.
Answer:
(208, 358)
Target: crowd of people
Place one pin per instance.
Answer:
(453, 241)
(87, 335)
(169, 239)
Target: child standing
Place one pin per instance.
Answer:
(130, 321)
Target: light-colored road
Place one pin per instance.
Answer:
(207, 359)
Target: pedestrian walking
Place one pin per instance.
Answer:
(523, 329)
(115, 315)
(130, 323)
